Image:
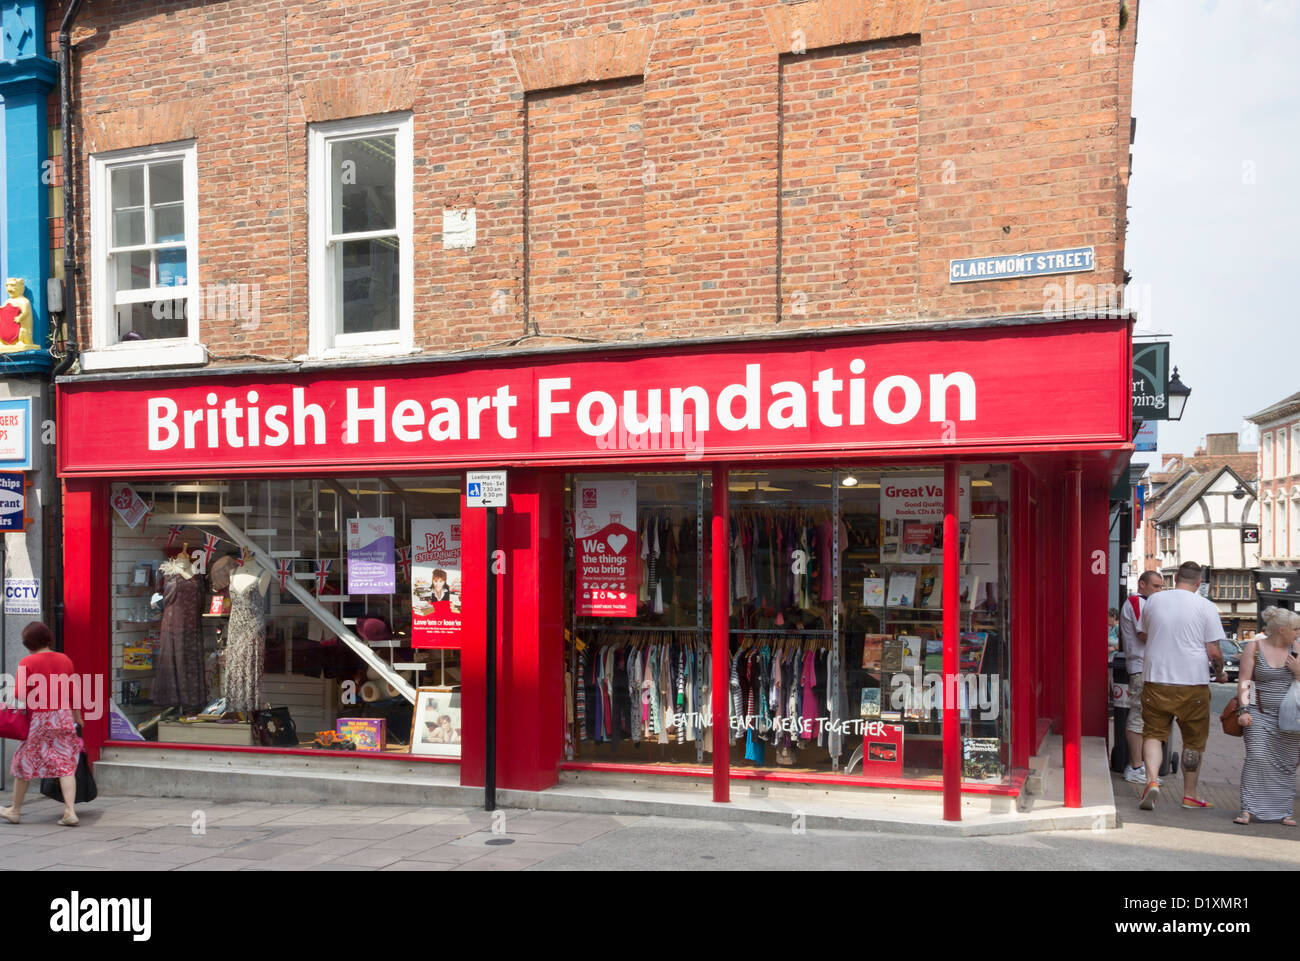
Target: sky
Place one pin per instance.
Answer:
(1214, 218)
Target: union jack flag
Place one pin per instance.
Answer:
(323, 569)
(210, 542)
(173, 532)
(144, 521)
(404, 561)
(243, 556)
(284, 568)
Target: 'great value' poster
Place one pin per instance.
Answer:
(604, 522)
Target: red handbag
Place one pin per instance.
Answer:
(14, 725)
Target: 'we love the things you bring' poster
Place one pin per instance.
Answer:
(604, 530)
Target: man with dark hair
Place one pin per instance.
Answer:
(1179, 628)
(1134, 650)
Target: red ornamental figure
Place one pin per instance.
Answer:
(323, 569)
(173, 532)
(284, 568)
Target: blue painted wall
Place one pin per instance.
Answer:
(26, 78)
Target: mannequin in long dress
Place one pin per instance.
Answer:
(246, 638)
(179, 677)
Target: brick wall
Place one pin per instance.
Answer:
(915, 131)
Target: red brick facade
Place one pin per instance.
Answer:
(640, 170)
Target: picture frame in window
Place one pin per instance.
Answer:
(436, 722)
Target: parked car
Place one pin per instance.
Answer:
(1231, 658)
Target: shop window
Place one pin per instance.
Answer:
(361, 235)
(144, 240)
(835, 613)
(293, 613)
(1231, 586)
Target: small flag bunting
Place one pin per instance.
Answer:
(284, 568)
(323, 569)
(210, 542)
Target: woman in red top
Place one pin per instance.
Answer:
(53, 745)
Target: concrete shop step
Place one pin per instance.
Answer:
(163, 772)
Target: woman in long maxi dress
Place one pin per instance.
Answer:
(1268, 774)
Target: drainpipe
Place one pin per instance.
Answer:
(69, 290)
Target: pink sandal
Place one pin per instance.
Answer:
(1195, 802)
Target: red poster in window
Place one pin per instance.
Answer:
(882, 749)
(604, 534)
(435, 583)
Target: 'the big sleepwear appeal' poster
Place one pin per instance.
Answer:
(604, 531)
(435, 583)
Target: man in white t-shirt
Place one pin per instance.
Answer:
(1181, 629)
(1151, 582)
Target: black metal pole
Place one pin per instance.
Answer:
(490, 754)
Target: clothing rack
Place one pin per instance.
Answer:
(782, 631)
(613, 629)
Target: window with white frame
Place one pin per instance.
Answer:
(1295, 521)
(1266, 457)
(1295, 448)
(361, 235)
(1266, 526)
(144, 243)
(1281, 464)
(1280, 527)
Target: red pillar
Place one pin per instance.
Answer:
(1072, 741)
(718, 541)
(1023, 719)
(951, 645)
(87, 561)
(530, 676)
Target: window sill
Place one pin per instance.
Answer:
(359, 352)
(144, 354)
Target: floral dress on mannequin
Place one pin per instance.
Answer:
(179, 677)
(246, 644)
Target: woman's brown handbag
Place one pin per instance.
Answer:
(1228, 719)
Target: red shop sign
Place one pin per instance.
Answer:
(1061, 384)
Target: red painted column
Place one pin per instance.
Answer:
(87, 563)
(721, 583)
(1072, 741)
(530, 675)
(1022, 629)
(951, 645)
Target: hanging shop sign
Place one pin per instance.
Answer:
(944, 391)
(13, 502)
(1006, 266)
(604, 530)
(372, 563)
(16, 434)
(1151, 381)
(130, 506)
(435, 583)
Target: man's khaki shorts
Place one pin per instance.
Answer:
(1135, 704)
(1189, 703)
